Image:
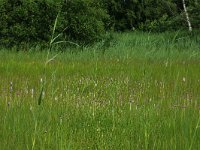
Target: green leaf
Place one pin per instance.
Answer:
(40, 96)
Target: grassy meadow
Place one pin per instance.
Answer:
(141, 92)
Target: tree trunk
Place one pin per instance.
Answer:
(187, 16)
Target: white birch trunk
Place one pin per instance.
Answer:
(187, 16)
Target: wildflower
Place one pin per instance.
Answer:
(61, 120)
(11, 86)
(130, 107)
(56, 98)
(95, 84)
(166, 64)
(43, 93)
(8, 104)
(26, 90)
(32, 92)
(98, 129)
(31, 108)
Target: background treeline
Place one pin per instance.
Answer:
(86, 21)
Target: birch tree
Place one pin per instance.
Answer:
(187, 16)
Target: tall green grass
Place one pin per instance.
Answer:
(142, 92)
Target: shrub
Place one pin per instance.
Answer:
(32, 21)
(84, 20)
(145, 15)
(25, 21)
(194, 12)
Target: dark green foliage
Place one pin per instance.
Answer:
(151, 15)
(145, 15)
(32, 21)
(24, 21)
(86, 21)
(83, 20)
(179, 19)
(194, 11)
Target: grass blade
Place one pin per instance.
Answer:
(40, 96)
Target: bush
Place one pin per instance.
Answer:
(25, 21)
(194, 12)
(84, 20)
(32, 21)
(145, 15)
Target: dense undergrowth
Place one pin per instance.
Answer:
(87, 21)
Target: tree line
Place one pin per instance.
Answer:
(86, 21)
